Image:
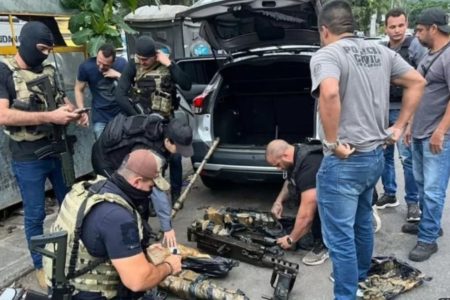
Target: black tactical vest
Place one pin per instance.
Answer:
(396, 92)
(302, 151)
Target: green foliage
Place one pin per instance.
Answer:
(99, 22)
(417, 7)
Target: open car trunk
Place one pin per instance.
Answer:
(264, 99)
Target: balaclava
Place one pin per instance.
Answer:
(34, 33)
(145, 46)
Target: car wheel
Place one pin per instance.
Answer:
(213, 183)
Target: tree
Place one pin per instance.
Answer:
(99, 22)
(416, 7)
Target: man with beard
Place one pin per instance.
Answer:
(351, 79)
(106, 228)
(28, 122)
(101, 73)
(430, 132)
(412, 52)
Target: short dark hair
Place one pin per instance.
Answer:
(395, 12)
(337, 17)
(108, 50)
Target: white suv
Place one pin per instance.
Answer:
(260, 89)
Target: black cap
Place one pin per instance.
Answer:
(145, 46)
(435, 16)
(181, 135)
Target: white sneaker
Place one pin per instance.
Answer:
(318, 255)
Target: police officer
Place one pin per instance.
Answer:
(149, 82)
(27, 122)
(113, 236)
(412, 52)
(301, 162)
(163, 137)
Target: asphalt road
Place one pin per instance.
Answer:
(312, 282)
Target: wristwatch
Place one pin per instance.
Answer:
(331, 146)
(289, 240)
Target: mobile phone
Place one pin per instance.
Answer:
(82, 110)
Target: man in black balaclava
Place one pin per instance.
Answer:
(34, 37)
(147, 85)
(26, 119)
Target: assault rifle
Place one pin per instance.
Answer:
(61, 289)
(61, 143)
(284, 272)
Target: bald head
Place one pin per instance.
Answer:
(279, 154)
(139, 168)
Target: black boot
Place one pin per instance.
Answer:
(422, 251)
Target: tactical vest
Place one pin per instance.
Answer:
(302, 153)
(104, 277)
(122, 131)
(396, 92)
(27, 100)
(153, 89)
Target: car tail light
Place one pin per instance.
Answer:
(199, 103)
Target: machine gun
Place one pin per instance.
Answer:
(284, 272)
(61, 289)
(62, 144)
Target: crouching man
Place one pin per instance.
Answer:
(301, 162)
(107, 235)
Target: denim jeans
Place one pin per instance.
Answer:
(432, 172)
(163, 208)
(344, 193)
(98, 129)
(176, 173)
(388, 176)
(31, 177)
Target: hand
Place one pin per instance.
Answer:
(283, 242)
(175, 262)
(395, 135)
(63, 115)
(343, 151)
(277, 210)
(84, 120)
(437, 141)
(111, 73)
(169, 239)
(69, 104)
(407, 136)
(156, 245)
(162, 58)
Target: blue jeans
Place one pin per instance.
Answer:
(388, 176)
(176, 173)
(98, 129)
(432, 172)
(344, 193)
(31, 177)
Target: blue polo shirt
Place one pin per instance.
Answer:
(104, 106)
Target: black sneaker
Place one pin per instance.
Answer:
(413, 228)
(422, 251)
(387, 201)
(413, 213)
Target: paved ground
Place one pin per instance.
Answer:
(312, 282)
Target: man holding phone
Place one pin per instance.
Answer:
(101, 74)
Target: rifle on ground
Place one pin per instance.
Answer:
(61, 289)
(61, 143)
(284, 272)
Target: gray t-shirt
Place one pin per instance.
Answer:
(436, 96)
(364, 70)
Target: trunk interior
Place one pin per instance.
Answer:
(265, 99)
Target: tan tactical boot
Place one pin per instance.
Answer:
(40, 276)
